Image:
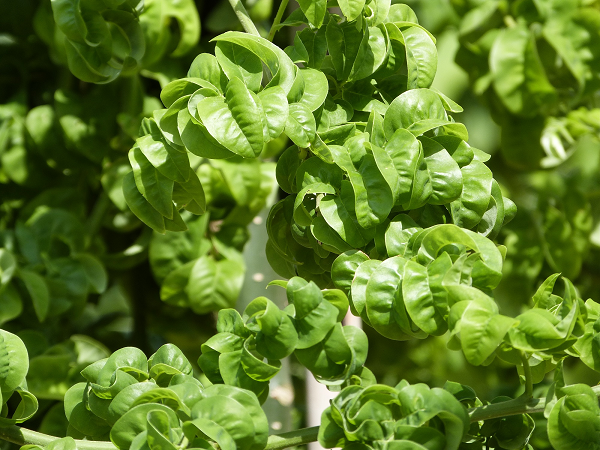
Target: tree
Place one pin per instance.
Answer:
(387, 211)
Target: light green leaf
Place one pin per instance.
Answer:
(352, 9)
(519, 77)
(316, 88)
(300, 126)
(276, 109)
(282, 68)
(239, 62)
(236, 121)
(314, 10)
(481, 328)
(421, 57)
(414, 107)
(474, 199)
(14, 362)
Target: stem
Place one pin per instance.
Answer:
(520, 405)
(23, 436)
(244, 17)
(292, 438)
(94, 221)
(513, 407)
(528, 379)
(277, 20)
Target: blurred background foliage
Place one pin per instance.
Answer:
(80, 276)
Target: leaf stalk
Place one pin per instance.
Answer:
(244, 17)
(277, 21)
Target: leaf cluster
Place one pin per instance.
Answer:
(536, 65)
(248, 349)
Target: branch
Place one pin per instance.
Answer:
(244, 17)
(520, 405)
(292, 438)
(23, 436)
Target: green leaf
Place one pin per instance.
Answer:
(401, 13)
(314, 170)
(373, 196)
(206, 67)
(412, 108)
(336, 214)
(316, 88)
(444, 173)
(204, 284)
(468, 210)
(316, 46)
(240, 62)
(172, 163)
(79, 417)
(140, 206)
(276, 109)
(133, 423)
(519, 77)
(398, 233)
(344, 267)
(8, 266)
(588, 345)
(384, 302)
(352, 9)
(38, 291)
(209, 429)
(156, 188)
(420, 302)
(302, 216)
(14, 362)
(297, 51)
(25, 409)
(11, 305)
(197, 139)
(314, 316)
(282, 68)
(358, 289)
(574, 421)
(403, 149)
(183, 87)
(476, 317)
(95, 272)
(190, 195)
(314, 10)
(235, 121)
(168, 359)
(421, 56)
(356, 52)
(188, 22)
(300, 126)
